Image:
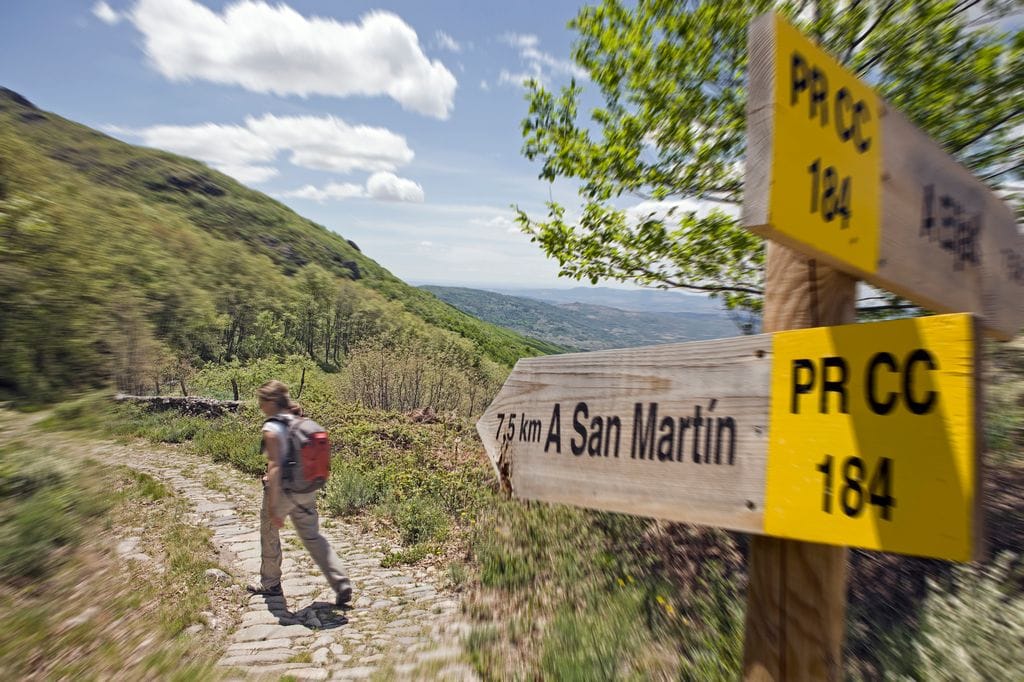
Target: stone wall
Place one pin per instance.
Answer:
(190, 405)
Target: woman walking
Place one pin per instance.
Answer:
(277, 405)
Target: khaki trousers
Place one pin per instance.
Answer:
(301, 509)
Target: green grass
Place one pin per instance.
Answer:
(43, 509)
(408, 555)
(73, 609)
(213, 481)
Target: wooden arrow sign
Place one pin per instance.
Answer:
(677, 432)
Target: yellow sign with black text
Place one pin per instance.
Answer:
(873, 436)
(827, 153)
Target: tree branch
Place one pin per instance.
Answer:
(699, 287)
(881, 15)
(989, 129)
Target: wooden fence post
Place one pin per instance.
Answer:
(796, 598)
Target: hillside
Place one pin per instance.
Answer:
(189, 249)
(583, 325)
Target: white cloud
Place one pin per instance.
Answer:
(519, 78)
(426, 244)
(484, 86)
(333, 190)
(389, 187)
(328, 143)
(320, 143)
(274, 49)
(499, 222)
(675, 207)
(538, 65)
(446, 42)
(105, 13)
(524, 41)
(381, 186)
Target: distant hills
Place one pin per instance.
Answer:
(590, 326)
(639, 300)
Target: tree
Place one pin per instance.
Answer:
(671, 127)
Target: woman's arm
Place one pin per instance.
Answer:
(272, 446)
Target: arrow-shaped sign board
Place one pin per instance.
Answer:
(861, 435)
(834, 171)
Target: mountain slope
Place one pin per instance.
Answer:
(80, 174)
(582, 325)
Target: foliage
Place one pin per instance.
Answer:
(42, 512)
(408, 555)
(714, 634)
(671, 124)
(614, 612)
(405, 373)
(349, 490)
(419, 520)
(974, 629)
(595, 642)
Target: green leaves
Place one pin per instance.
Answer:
(671, 124)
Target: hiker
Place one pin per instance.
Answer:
(280, 409)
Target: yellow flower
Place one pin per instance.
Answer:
(660, 599)
(621, 584)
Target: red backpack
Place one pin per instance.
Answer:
(307, 461)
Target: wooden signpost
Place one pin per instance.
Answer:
(858, 435)
(813, 440)
(834, 171)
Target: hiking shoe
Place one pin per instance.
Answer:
(257, 588)
(344, 596)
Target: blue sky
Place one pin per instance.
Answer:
(395, 124)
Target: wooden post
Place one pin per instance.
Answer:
(796, 598)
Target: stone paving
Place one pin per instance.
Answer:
(402, 623)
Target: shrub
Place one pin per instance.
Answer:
(409, 555)
(349, 490)
(975, 629)
(418, 519)
(41, 511)
(229, 441)
(714, 642)
(596, 642)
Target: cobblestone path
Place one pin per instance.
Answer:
(402, 623)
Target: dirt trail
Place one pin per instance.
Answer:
(403, 623)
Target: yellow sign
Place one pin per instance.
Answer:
(827, 153)
(872, 440)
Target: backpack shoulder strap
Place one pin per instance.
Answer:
(285, 420)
